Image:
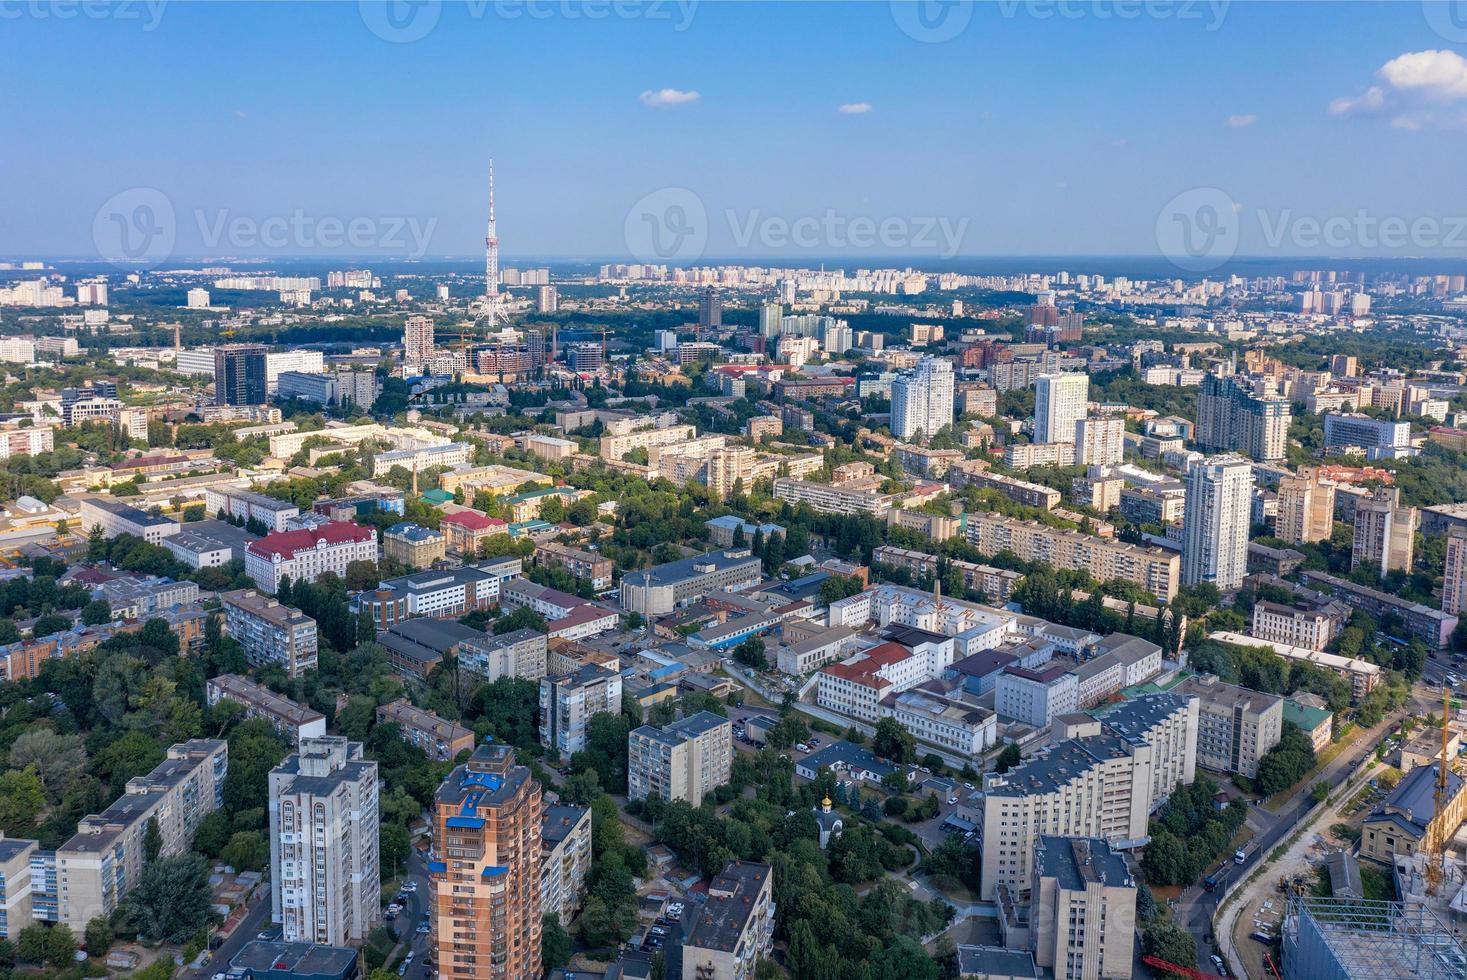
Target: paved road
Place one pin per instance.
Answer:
(256, 920)
(414, 908)
(1199, 907)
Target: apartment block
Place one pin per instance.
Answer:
(414, 546)
(324, 858)
(568, 702)
(1362, 675)
(1309, 628)
(104, 860)
(827, 498)
(1103, 782)
(292, 720)
(1155, 570)
(484, 871)
(1385, 532)
(439, 738)
(996, 583)
(269, 632)
(1380, 438)
(1082, 909)
(1231, 417)
(1161, 503)
(16, 889)
(1235, 726)
(974, 473)
(519, 653)
(734, 928)
(616, 447)
(1434, 626)
(659, 590)
(420, 458)
(686, 760)
(1454, 577)
(1306, 508)
(590, 565)
(565, 860)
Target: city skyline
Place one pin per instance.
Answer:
(1013, 137)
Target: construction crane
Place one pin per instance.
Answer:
(1157, 963)
(1436, 830)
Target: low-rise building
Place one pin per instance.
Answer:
(413, 545)
(416, 646)
(445, 594)
(685, 760)
(197, 550)
(1433, 626)
(304, 555)
(592, 566)
(1309, 628)
(247, 505)
(722, 531)
(565, 860)
(659, 590)
(1362, 674)
(1404, 820)
(816, 650)
(519, 653)
(294, 721)
(441, 739)
(936, 715)
(1317, 723)
(269, 632)
(467, 530)
(115, 518)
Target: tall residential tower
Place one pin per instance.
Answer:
(922, 399)
(1216, 521)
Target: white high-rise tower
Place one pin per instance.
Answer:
(922, 399)
(1216, 521)
(491, 260)
(1059, 402)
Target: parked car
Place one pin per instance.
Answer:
(803, 747)
(410, 886)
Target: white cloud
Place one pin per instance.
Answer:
(1372, 100)
(1417, 85)
(1119, 141)
(1241, 120)
(241, 114)
(667, 98)
(854, 108)
(1437, 74)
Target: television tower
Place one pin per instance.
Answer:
(491, 260)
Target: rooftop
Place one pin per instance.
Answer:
(689, 568)
(1414, 797)
(558, 822)
(472, 519)
(731, 903)
(1077, 861)
(409, 531)
(301, 959)
(1060, 765)
(995, 961)
(287, 543)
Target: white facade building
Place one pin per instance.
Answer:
(1218, 518)
(922, 399)
(1059, 403)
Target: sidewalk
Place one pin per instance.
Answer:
(1245, 957)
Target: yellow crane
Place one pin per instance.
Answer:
(1436, 830)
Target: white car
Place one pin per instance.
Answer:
(409, 886)
(803, 747)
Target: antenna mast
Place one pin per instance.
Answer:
(491, 259)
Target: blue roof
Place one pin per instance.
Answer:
(1415, 796)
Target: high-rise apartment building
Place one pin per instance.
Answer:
(922, 399)
(1216, 522)
(1454, 580)
(323, 843)
(1059, 403)
(271, 634)
(484, 870)
(565, 863)
(240, 375)
(1101, 780)
(710, 309)
(417, 343)
(686, 760)
(1082, 909)
(770, 315)
(1306, 508)
(734, 928)
(1385, 532)
(1100, 441)
(568, 702)
(1230, 417)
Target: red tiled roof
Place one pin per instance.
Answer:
(141, 461)
(287, 543)
(472, 519)
(579, 616)
(864, 671)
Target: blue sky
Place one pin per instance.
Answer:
(1046, 129)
